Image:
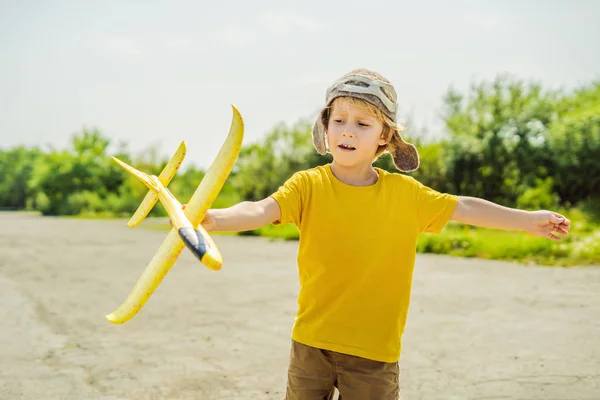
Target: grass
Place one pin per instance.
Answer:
(579, 248)
(285, 232)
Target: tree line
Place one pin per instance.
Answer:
(507, 140)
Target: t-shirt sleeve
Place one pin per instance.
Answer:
(434, 208)
(289, 198)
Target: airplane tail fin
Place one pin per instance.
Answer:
(165, 178)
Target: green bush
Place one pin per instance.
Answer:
(85, 202)
(539, 197)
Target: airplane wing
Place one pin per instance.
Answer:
(165, 178)
(217, 174)
(195, 211)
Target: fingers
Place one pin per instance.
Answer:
(561, 230)
(554, 237)
(564, 227)
(556, 224)
(557, 218)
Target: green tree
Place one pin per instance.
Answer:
(497, 138)
(70, 181)
(16, 169)
(262, 167)
(574, 143)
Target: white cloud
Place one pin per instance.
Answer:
(235, 36)
(320, 79)
(178, 42)
(123, 45)
(485, 22)
(275, 22)
(285, 22)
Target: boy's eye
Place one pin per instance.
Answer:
(338, 121)
(363, 124)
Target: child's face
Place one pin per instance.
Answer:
(353, 135)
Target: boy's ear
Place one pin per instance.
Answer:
(384, 140)
(386, 136)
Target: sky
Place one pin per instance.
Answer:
(153, 74)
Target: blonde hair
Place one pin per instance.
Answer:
(389, 127)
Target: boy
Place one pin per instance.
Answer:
(358, 232)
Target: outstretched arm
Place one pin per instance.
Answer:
(244, 216)
(483, 213)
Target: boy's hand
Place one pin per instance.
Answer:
(547, 224)
(208, 223)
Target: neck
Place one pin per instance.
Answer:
(356, 175)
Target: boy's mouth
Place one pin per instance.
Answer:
(346, 147)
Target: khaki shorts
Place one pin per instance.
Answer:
(314, 374)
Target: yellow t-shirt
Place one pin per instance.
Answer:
(356, 256)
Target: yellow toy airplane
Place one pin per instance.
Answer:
(186, 230)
